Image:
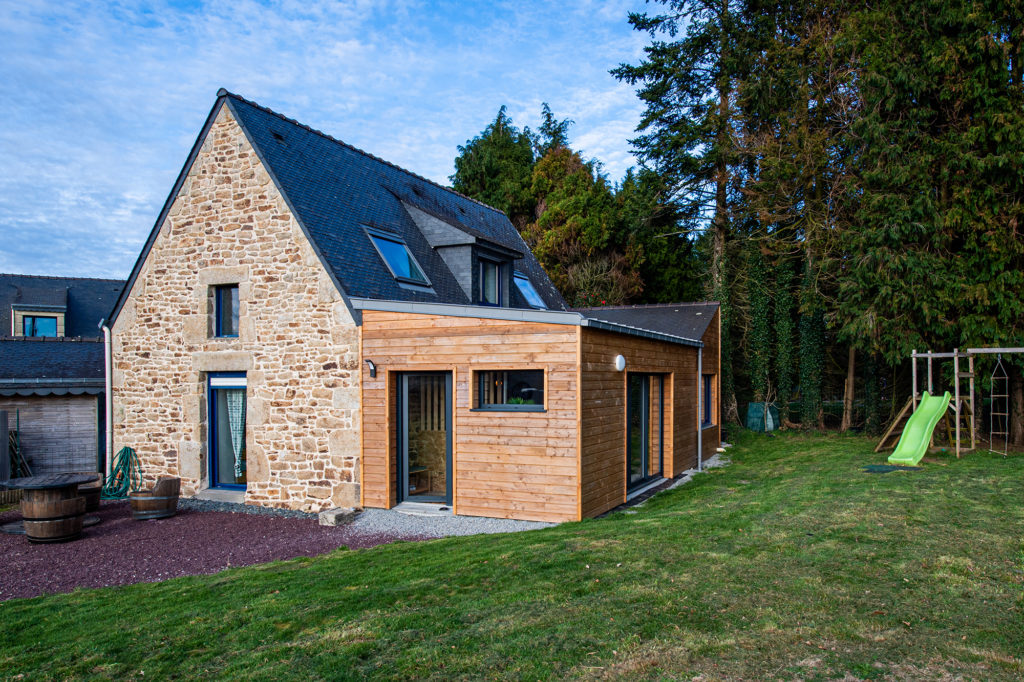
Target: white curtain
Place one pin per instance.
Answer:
(236, 424)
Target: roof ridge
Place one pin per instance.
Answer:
(223, 92)
(647, 305)
(91, 279)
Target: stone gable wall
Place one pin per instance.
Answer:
(297, 341)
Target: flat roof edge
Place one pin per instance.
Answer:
(638, 331)
(516, 315)
(458, 310)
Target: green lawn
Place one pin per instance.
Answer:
(790, 563)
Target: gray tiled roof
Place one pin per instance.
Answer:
(86, 301)
(335, 191)
(45, 366)
(688, 320)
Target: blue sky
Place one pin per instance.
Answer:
(102, 101)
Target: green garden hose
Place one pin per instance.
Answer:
(124, 475)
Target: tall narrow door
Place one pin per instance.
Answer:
(425, 439)
(644, 428)
(227, 413)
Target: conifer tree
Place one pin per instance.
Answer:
(496, 167)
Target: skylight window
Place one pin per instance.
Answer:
(398, 258)
(528, 292)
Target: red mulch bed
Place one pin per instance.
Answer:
(120, 551)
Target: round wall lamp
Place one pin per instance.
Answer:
(620, 363)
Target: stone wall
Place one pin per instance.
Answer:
(297, 342)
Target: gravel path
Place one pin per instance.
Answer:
(203, 538)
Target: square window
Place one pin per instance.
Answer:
(490, 282)
(529, 293)
(511, 390)
(398, 258)
(226, 298)
(35, 325)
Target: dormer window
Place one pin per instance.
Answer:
(396, 255)
(525, 287)
(36, 320)
(38, 325)
(490, 282)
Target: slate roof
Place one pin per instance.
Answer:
(688, 320)
(336, 190)
(85, 301)
(36, 366)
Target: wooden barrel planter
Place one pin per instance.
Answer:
(51, 515)
(158, 503)
(91, 492)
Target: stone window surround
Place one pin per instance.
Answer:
(208, 279)
(205, 364)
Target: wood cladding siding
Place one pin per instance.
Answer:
(506, 464)
(603, 418)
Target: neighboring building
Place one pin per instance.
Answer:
(51, 367)
(309, 326)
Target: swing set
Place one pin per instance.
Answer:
(962, 406)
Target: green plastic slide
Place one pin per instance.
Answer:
(918, 431)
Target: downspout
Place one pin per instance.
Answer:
(700, 400)
(109, 396)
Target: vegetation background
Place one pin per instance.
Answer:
(846, 178)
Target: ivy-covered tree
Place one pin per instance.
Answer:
(784, 338)
(759, 338)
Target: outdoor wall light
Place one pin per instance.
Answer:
(620, 363)
(373, 369)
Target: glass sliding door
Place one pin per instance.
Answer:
(645, 418)
(227, 405)
(425, 442)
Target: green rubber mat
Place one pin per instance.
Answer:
(886, 468)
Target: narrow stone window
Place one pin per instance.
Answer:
(226, 310)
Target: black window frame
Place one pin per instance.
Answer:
(374, 234)
(35, 316)
(218, 310)
(499, 276)
(482, 376)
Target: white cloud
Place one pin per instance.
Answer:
(101, 102)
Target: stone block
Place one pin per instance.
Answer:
(343, 443)
(339, 516)
(345, 494)
(190, 464)
(194, 330)
(222, 361)
(346, 398)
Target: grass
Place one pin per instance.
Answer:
(790, 563)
